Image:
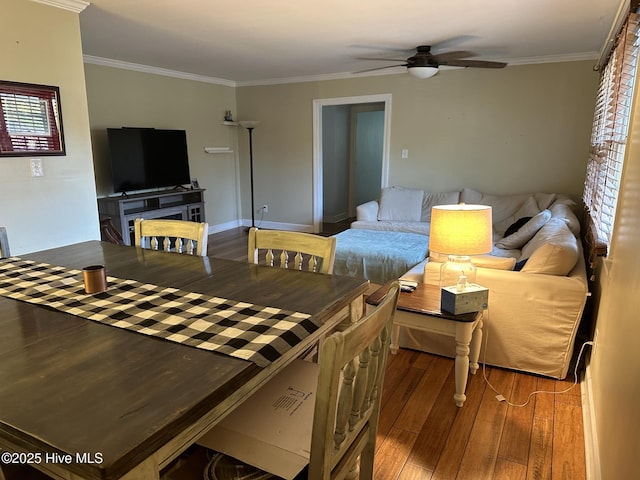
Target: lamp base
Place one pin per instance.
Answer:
(457, 271)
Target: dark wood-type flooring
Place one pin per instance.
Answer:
(422, 435)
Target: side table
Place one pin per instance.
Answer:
(420, 310)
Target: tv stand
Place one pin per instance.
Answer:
(171, 204)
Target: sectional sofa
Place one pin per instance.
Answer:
(535, 274)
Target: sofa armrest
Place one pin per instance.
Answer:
(532, 319)
(367, 211)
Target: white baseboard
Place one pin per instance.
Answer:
(295, 227)
(221, 227)
(591, 451)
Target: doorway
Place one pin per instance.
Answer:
(351, 154)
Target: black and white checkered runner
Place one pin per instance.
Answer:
(251, 332)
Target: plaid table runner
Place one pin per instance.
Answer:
(251, 332)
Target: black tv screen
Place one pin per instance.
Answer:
(144, 158)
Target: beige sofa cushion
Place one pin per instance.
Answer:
(564, 211)
(400, 204)
(483, 261)
(505, 206)
(526, 232)
(552, 251)
(437, 198)
(528, 209)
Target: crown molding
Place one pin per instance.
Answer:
(106, 62)
(318, 78)
(75, 6)
(574, 57)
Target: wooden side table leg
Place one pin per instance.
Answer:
(476, 344)
(464, 332)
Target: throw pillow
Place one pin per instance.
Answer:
(562, 210)
(437, 198)
(544, 200)
(526, 232)
(528, 208)
(552, 251)
(505, 209)
(400, 204)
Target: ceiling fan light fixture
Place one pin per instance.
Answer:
(423, 72)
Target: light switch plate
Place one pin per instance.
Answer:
(36, 167)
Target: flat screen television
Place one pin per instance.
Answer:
(146, 158)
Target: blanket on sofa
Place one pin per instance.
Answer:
(378, 256)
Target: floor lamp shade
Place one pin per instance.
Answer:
(460, 231)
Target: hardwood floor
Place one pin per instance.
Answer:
(422, 435)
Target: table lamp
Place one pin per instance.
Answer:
(460, 231)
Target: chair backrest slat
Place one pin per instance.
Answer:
(4, 243)
(172, 235)
(314, 253)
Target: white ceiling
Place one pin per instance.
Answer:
(263, 41)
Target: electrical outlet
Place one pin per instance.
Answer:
(405, 153)
(36, 167)
(265, 208)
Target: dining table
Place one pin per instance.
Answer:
(81, 397)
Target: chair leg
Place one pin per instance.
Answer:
(365, 462)
(354, 473)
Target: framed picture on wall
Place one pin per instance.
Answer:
(30, 120)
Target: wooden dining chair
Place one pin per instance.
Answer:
(172, 236)
(307, 251)
(110, 232)
(4, 243)
(342, 439)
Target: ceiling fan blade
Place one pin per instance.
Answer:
(473, 63)
(380, 68)
(453, 55)
(452, 42)
(383, 59)
(385, 48)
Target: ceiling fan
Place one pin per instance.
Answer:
(424, 64)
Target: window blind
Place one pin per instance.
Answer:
(28, 119)
(609, 133)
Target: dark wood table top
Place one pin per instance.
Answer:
(71, 385)
(425, 299)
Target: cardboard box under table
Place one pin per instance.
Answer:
(378, 255)
(272, 429)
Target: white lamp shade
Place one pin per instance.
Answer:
(461, 229)
(249, 123)
(423, 72)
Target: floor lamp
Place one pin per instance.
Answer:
(250, 125)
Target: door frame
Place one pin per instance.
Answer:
(317, 145)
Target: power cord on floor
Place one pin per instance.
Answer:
(501, 398)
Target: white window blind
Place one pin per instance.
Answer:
(609, 134)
